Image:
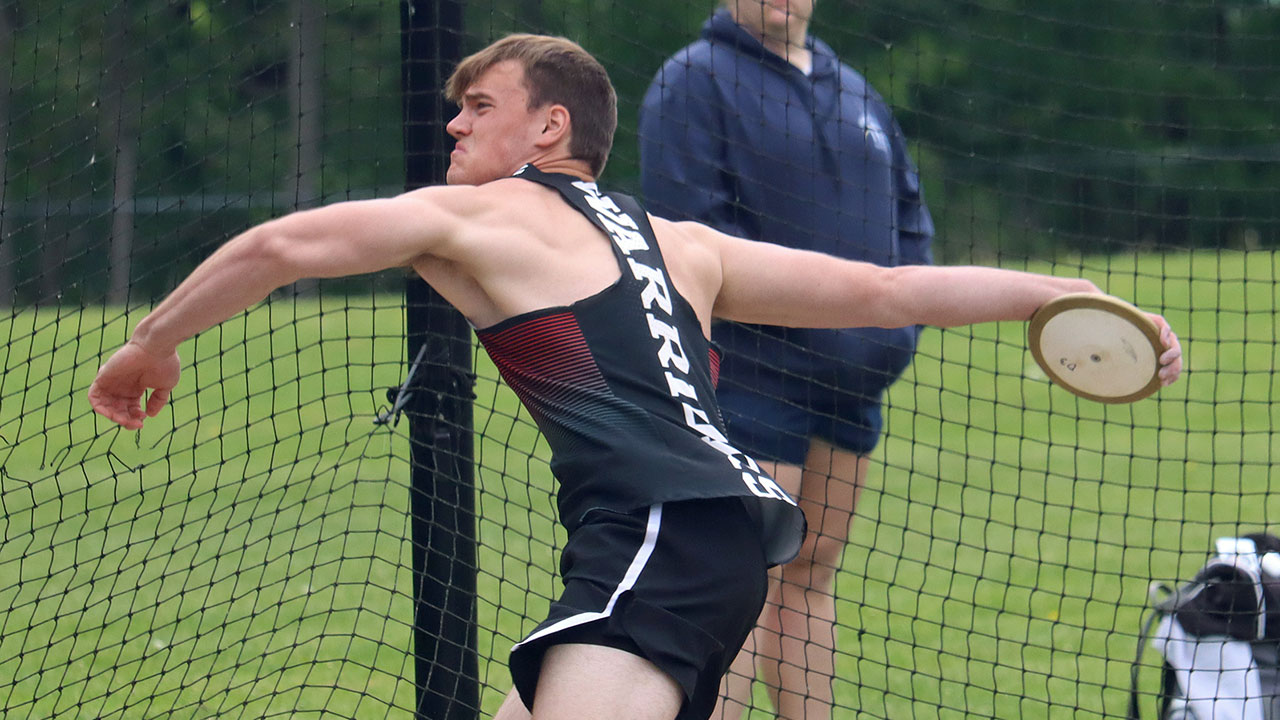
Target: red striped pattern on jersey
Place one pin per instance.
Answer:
(546, 361)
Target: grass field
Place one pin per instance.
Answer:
(245, 556)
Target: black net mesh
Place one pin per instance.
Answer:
(251, 552)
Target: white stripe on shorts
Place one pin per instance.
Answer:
(628, 581)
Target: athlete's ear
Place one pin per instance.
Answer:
(556, 126)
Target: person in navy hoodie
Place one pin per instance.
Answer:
(759, 130)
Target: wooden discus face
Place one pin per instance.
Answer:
(1097, 347)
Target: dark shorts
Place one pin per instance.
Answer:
(772, 415)
(680, 584)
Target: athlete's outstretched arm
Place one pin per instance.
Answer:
(343, 239)
(772, 285)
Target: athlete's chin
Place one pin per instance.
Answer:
(458, 175)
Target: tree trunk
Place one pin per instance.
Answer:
(55, 238)
(118, 131)
(306, 74)
(8, 274)
(125, 178)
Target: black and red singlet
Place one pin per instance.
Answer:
(622, 385)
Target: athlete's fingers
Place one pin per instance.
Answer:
(1170, 359)
(121, 408)
(159, 398)
(126, 417)
(130, 414)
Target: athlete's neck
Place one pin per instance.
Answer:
(565, 166)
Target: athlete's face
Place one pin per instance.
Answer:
(776, 20)
(495, 128)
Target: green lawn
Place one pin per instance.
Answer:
(245, 555)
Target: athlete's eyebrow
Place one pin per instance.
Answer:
(476, 96)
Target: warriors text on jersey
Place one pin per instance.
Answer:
(622, 385)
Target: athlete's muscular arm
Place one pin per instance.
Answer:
(350, 238)
(343, 239)
(772, 285)
(769, 284)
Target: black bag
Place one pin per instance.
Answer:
(1219, 635)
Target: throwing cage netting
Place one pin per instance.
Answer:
(290, 539)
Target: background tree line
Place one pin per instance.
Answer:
(139, 134)
(142, 133)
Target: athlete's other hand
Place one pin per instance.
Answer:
(117, 392)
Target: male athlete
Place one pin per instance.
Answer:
(597, 316)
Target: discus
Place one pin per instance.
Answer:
(1098, 347)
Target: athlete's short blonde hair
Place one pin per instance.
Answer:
(556, 71)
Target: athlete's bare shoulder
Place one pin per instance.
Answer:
(690, 232)
(692, 251)
(465, 215)
(473, 200)
(689, 240)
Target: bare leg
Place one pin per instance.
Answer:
(735, 686)
(794, 643)
(829, 493)
(512, 708)
(762, 649)
(588, 682)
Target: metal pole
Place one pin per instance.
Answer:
(442, 491)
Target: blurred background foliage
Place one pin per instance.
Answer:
(140, 134)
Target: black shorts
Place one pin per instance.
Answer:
(680, 584)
